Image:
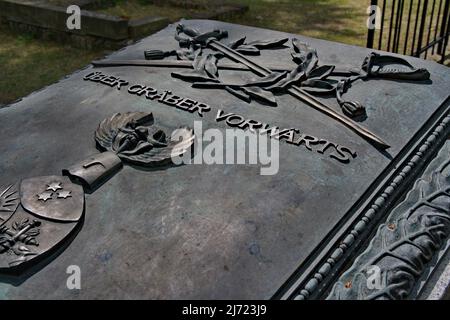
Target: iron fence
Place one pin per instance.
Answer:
(412, 27)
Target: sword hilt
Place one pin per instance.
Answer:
(350, 108)
(195, 37)
(158, 54)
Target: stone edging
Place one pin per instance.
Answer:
(98, 30)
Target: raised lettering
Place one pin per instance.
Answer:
(185, 104)
(231, 120)
(343, 154)
(200, 108)
(222, 116)
(308, 140)
(172, 100)
(135, 89)
(251, 124)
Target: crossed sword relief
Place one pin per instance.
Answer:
(211, 40)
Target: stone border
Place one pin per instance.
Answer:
(98, 30)
(54, 18)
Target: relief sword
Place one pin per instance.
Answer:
(188, 65)
(298, 93)
(294, 91)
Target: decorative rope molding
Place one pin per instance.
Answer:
(312, 284)
(403, 247)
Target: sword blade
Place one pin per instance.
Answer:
(300, 94)
(178, 64)
(244, 64)
(361, 131)
(188, 65)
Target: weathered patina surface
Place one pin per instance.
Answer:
(208, 231)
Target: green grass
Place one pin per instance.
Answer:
(27, 64)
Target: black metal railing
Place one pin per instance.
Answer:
(412, 27)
